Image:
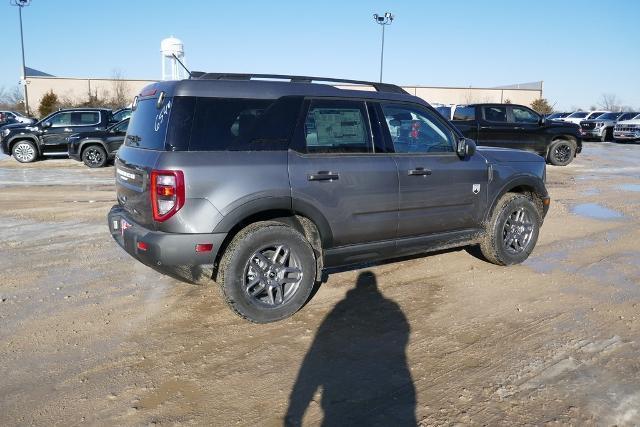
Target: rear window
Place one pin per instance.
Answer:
(464, 113)
(148, 124)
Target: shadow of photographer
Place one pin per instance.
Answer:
(358, 361)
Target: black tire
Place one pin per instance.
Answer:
(496, 245)
(24, 151)
(240, 266)
(94, 156)
(561, 152)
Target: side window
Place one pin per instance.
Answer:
(336, 127)
(61, 119)
(122, 127)
(242, 124)
(524, 115)
(415, 130)
(85, 118)
(464, 113)
(495, 114)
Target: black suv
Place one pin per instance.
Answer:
(263, 185)
(97, 147)
(49, 136)
(517, 126)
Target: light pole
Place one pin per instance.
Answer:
(20, 4)
(383, 20)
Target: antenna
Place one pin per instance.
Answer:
(181, 64)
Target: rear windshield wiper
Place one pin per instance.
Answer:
(134, 139)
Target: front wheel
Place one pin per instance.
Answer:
(605, 135)
(561, 153)
(267, 272)
(24, 152)
(512, 231)
(94, 156)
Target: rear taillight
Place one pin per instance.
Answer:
(167, 193)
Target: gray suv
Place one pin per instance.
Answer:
(264, 185)
(601, 128)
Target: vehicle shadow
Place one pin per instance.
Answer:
(358, 363)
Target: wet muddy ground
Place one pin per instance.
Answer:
(89, 336)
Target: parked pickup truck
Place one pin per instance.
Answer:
(517, 126)
(27, 142)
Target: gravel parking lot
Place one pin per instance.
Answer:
(91, 336)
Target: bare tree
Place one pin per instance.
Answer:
(12, 99)
(120, 91)
(610, 102)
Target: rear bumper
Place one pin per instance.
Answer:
(162, 249)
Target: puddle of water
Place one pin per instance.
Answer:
(630, 187)
(594, 210)
(591, 192)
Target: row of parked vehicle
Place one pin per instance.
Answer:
(604, 125)
(516, 126)
(90, 135)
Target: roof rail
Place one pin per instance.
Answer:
(380, 87)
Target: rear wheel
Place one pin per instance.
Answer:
(512, 231)
(267, 272)
(561, 152)
(24, 151)
(94, 156)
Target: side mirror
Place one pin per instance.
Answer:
(46, 125)
(466, 148)
(542, 121)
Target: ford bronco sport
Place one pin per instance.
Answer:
(267, 184)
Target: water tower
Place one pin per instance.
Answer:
(171, 68)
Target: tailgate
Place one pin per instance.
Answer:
(133, 168)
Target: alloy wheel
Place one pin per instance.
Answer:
(94, 157)
(517, 231)
(272, 275)
(24, 152)
(562, 153)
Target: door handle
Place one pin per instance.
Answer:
(323, 176)
(419, 172)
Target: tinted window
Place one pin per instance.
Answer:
(121, 115)
(595, 115)
(495, 114)
(464, 113)
(243, 124)
(444, 111)
(524, 115)
(121, 127)
(609, 116)
(416, 131)
(578, 115)
(148, 124)
(336, 127)
(61, 119)
(85, 118)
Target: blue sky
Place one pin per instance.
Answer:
(581, 49)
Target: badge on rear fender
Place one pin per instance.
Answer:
(476, 188)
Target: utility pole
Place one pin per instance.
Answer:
(20, 4)
(383, 21)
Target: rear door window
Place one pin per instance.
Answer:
(337, 126)
(85, 118)
(495, 114)
(464, 113)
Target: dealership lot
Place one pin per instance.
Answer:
(90, 335)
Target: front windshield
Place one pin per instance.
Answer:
(578, 115)
(595, 115)
(628, 116)
(609, 116)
